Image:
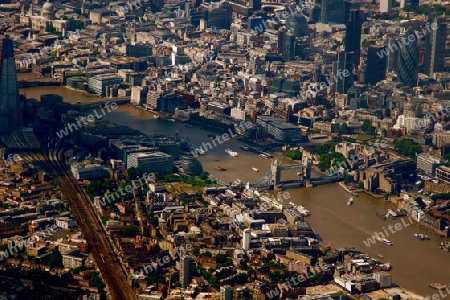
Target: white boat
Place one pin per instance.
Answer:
(421, 236)
(303, 211)
(171, 120)
(384, 267)
(201, 151)
(350, 201)
(156, 116)
(387, 242)
(255, 169)
(231, 152)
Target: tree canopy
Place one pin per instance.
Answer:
(407, 147)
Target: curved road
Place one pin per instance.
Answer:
(110, 269)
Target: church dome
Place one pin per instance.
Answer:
(48, 7)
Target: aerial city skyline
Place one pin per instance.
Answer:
(229, 150)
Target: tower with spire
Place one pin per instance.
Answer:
(10, 111)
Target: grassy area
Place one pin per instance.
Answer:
(182, 187)
(363, 137)
(195, 181)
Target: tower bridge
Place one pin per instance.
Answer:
(272, 179)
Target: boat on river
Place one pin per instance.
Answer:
(421, 236)
(438, 286)
(445, 246)
(384, 267)
(231, 152)
(387, 242)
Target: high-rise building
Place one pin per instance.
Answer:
(288, 46)
(281, 33)
(10, 109)
(376, 64)
(218, 15)
(185, 271)
(353, 35)
(385, 6)
(333, 12)
(246, 239)
(435, 47)
(408, 64)
(393, 53)
(349, 5)
(255, 5)
(343, 72)
(226, 293)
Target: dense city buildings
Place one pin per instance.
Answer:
(216, 149)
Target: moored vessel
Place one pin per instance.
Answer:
(421, 236)
(387, 242)
(384, 267)
(231, 152)
(445, 246)
(438, 286)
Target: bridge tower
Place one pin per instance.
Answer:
(307, 170)
(275, 170)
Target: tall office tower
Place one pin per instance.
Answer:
(353, 35)
(281, 33)
(392, 53)
(408, 64)
(342, 67)
(385, 6)
(246, 239)
(218, 15)
(333, 12)
(255, 5)
(435, 47)
(349, 5)
(376, 65)
(226, 293)
(10, 111)
(185, 271)
(288, 46)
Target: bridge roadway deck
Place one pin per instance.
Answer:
(115, 280)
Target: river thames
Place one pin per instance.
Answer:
(416, 263)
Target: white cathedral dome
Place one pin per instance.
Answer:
(48, 7)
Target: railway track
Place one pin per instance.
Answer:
(108, 264)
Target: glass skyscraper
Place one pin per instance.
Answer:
(353, 35)
(333, 12)
(408, 64)
(10, 112)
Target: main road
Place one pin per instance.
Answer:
(108, 264)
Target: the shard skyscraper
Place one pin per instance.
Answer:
(10, 112)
